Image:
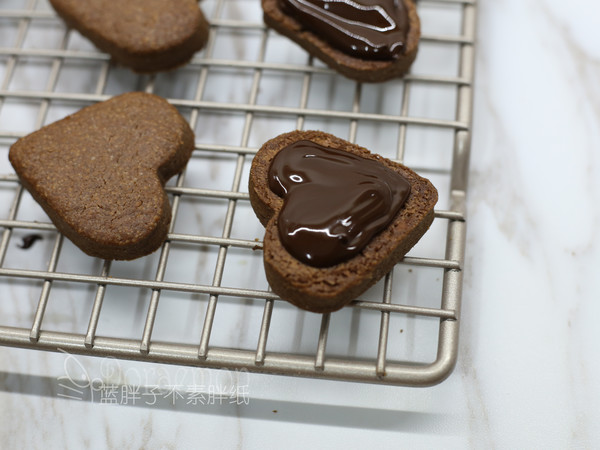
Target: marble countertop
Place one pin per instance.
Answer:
(528, 367)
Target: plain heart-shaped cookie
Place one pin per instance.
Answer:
(145, 35)
(329, 287)
(100, 173)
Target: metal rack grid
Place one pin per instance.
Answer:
(253, 72)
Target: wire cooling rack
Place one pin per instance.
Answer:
(202, 299)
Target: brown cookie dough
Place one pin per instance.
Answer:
(359, 69)
(326, 289)
(145, 35)
(100, 173)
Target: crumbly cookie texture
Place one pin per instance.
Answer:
(349, 66)
(100, 173)
(145, 35)
(328, 289)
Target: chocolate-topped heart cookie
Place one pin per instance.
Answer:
(145, 35)
(100, 173)
(365, 40)
(337, 216)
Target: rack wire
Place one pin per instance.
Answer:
(202, 299)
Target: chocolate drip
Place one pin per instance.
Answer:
(335, 202)
(365, 29)
(29, 239)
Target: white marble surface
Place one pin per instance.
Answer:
(528, 361)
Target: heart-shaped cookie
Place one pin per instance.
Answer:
(145, 35)
(369, 41)
(337, 217)
(100, 173)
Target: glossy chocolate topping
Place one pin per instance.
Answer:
(365, 29)
(334, 201)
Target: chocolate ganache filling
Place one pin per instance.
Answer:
(365, 29)
(335, 202)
